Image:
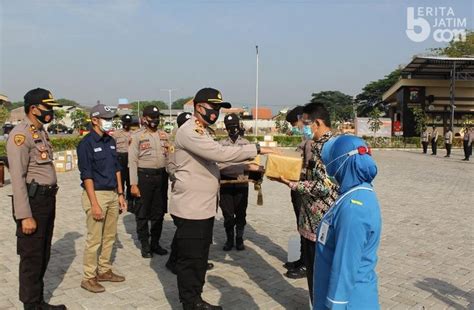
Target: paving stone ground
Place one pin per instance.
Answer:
(426, 256)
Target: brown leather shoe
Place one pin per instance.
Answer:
(109, 276)
(92, 286)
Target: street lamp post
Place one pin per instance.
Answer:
(256, 98)
(169, 90)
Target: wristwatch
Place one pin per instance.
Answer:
(120, 194)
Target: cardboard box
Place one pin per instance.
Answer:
(62, 166)
(272, 144)
(284, 166)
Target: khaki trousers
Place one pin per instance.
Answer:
(100, 234)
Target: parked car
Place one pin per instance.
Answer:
(59, 128)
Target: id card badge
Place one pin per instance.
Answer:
(323, 233)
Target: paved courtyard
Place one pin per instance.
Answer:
(426, 256)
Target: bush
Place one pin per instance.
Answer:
(59, 144)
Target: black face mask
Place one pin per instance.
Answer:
(234, 133)
(209, 113)
(153, 123)
(43, 118)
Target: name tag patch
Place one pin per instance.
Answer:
(323, 233)
(97, 149)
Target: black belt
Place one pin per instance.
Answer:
(122, 154)
(44, 190)
(151, 171)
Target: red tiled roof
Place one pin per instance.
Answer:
(263, 113)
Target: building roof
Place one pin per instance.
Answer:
(439, 68)
(4, 98)
(263, 113)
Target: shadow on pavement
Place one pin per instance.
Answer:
(228, 299)
(60, 261)
(446, 292)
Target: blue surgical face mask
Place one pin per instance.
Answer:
(307, 132)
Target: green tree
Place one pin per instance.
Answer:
(374, 121)
(178, 104)
(67, 102)
(281, 124)
(4, 113)
(160, 104)
(339, 105)
(59, 115)
(420, 118)
(79, 119)
(371, 95)
(457, 48)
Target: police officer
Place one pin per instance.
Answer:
(233, 197)
(448, 141)
(147, 160)
(30, 157)
(122, 138)
(434, 140)
(425, 139)
(194, 192)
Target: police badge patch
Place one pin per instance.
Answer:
(19, 139)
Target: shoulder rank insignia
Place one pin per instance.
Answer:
(35, 136)
(19, 139)
(199, 130)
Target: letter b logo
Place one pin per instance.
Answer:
(420, 22)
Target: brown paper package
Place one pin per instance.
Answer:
(283, 166)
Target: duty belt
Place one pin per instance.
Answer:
(44, 190)
(151, 171)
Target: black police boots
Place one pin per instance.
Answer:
(157, 249)
(229, 244)
(200, 305)
(43, 306)
(146, 251)
(239, 240)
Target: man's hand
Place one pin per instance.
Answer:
(28, 225)
(135, 191)
(268, 150)
(97, 213)
(280, 179)
(122, 204)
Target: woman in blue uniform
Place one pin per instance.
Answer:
(349, 234)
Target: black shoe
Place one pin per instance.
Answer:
(45, 306)
(293, 265)
(146, 252)
(159, 250)
(31, 306)
(201, 305)
(171, 267)
(210, 266)
(296, 273)
(239, 244)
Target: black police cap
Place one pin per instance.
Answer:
(39, 96)
(231, 120)
(151, 111)
(126, 119)
(183, 118)
(211, 95)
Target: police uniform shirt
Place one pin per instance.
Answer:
(434, 135)
(195, 185)
(237, 169)
(97, 160)
(122, 140)
(424, 136)
(148, 149)
(448, 137)
(30, 157)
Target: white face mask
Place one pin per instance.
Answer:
(106, 125)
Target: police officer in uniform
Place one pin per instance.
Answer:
(434, 140)
(148, 155)
(425, 138)
(30, 157)
(122, 138)
(233, 197)
(448, 141)
(194, 192)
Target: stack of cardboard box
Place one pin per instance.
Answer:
(268, 142)
(65, 161)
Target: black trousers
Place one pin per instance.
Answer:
(467, 149)
(193, 239)
(448, 148)
(425, 147)
(153, 187)
(309, 253)
(35, 249)
(297, 202)
(123, 160)
(233, 202)
(434, 146)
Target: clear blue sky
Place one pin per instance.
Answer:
(90, 50)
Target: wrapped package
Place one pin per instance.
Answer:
(283, 166)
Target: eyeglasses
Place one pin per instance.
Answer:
(308, 122)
